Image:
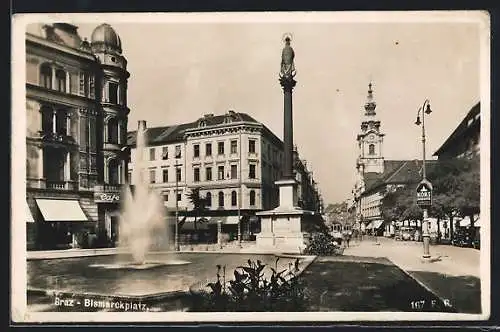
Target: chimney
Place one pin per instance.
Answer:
(141, 125)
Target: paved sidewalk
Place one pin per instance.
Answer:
(454, 277)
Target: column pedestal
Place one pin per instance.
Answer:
(282, 229)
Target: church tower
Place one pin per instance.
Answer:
(370, 159)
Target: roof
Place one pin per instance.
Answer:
(462, 129)
(396, 172)
(175, 133)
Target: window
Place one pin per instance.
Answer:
(165, 175)
(234, 171)
(46, 76)
(252, 197)
(208, 149)
(251, 146)
(129, 177)
(196, 150)
(113, 131)
(179, 197)
(164, 153)
(196, 174)
(234, 146)
(220, 148)
(113, 173)
(208, 199)
(178, 153)
(251, 173)
(61, 80)
(208, 171)
(61, 122)
(152, 154)
(178, 174)
(152, 176)
(220, 173)
(221, 199)
(234, 198)
(371, 149)
(47, 118)
(113, 92)
(165, 197)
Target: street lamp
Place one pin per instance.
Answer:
(176, 241)
(422, 111)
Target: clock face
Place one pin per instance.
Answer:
(371, 136)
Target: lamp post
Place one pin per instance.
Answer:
(176, 241)
(422, 111)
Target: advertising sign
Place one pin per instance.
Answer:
(424, 193)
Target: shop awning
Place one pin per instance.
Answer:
(466, 222)
(61, 210)
(370, 225)
(29, 216)
(377, 223)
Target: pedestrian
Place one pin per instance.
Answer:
(348, 238)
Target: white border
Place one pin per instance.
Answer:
(18, 238)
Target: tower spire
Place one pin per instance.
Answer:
(370, 104)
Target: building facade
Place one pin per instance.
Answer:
(232, 159)
(464, 142)
(76, 108)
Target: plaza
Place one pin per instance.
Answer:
(195, 205)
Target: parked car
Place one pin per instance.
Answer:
(406, 233)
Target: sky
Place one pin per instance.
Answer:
(180, 71)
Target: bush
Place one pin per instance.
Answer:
(322, 244)
(251, 291)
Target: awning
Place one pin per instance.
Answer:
(370, 225)
(466, 222)
(61, 210)
(377, 223)
(477, 223)
(29, 216)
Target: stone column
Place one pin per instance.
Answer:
(54, 121)
(119, 131)
(40, 163)
(68, 123)
(53, 83)
(67, 167)
(288, 83)
(68, 82)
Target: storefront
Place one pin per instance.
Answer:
(58, 223)
(108, 207)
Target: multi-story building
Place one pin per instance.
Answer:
(76, 108)
(232, 159)
(464, 142)
(375, 175)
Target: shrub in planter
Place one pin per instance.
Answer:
(251, 291)
(82, 239)
(322, 244)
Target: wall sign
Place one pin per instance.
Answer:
(106, 197)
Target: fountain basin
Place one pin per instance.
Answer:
(138, 266)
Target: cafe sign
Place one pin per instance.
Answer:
(106, 197)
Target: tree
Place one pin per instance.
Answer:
(199, 204)
(456, 188)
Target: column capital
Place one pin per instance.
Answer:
(287, 83)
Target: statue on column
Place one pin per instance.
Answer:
(287, 56)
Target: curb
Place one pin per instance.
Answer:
(427, 288)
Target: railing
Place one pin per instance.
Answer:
(60, 185)
(108, 187)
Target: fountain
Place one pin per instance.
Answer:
(142, 220)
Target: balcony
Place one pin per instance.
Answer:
(51, 137)
(60, 185)
(104, 187)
